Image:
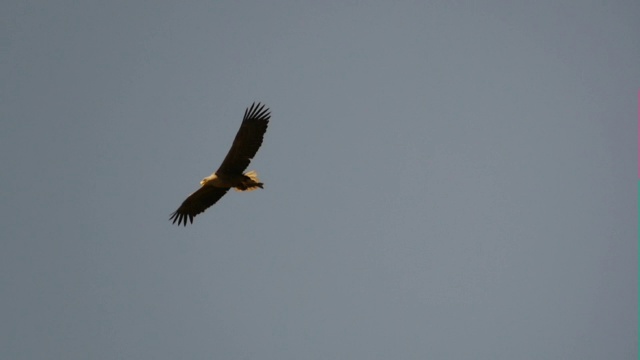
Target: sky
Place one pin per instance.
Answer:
(443, 180)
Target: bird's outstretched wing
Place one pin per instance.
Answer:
(247, 141)
(196, 203)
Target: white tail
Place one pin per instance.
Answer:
(252, 183)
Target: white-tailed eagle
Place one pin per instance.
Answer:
(230, 173)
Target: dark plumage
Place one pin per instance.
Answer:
(230, 173)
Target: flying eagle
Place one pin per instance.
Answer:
(229, 174)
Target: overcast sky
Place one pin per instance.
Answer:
(443, 180)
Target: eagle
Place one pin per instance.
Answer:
(230, 173)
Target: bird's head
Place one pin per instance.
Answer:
(207, 179)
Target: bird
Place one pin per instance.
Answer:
(230, 173)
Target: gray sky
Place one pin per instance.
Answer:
(443, 180)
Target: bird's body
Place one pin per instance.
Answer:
(241, 182)
(230, 173)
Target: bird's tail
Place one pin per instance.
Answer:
(251, 182)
